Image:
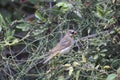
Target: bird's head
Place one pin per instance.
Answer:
(71, 33)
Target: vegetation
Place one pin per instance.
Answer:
(30, 28)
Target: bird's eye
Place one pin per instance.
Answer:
(72, 32)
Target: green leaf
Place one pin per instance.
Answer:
(61, 78)
(9, 35)
(96, 56)
(77, 75)
(118, 71)
(108, 12)
(24, 26)
(77, 13)
(111, 77)
(103, 55)
(0, 27)
(64, 6)
(70, 70)
(100, 11)
(104, 50)
(2, 22)
(38, 15)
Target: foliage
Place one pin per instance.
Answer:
(114, 76)
(30, 28)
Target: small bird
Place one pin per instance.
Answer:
(64, 46)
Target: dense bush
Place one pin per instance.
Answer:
(30, 28)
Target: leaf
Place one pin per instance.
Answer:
(77, 75)
(83, 58)
(100, 11)
(75, 63)
(38, 15)
(2, 22)
(97, 66)
(108, 12)
(70, 70)
(0, 28)
(96, 56)
(104, 50)
(118, 71)
(106, 67)
(102, 54)
(78, 13)
(61, 78)
(24, 26)
(64, 6)
(67, 65)
(89, 30)
(111, 77)
(9, 35)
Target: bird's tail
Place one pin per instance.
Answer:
(50, 57)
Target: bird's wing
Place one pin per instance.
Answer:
(64, 43)
(50, 57)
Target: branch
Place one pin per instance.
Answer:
(94, 35)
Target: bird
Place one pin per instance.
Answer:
(63, 46)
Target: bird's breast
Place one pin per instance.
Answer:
(66, 50)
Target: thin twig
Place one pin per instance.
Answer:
(94, 35)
